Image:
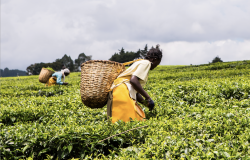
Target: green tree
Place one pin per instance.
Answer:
(11, 72)
(217, 59)
(122, 52)
(81, 59)
(68, 62)
(123, 56)
(6, 72)
(36, 68)
(30, 69)
(1, 73)
(144, 52)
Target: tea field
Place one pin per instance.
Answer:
(201, 112)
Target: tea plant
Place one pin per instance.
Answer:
(201, 112)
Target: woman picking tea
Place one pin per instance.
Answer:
(57, 77)
(127, 89)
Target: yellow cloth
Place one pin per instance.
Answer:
(51, 81)
(122, 103)
(123, 107)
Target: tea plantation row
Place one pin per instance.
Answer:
(201, 112)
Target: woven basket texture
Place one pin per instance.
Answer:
(97, 77)
(44, 75)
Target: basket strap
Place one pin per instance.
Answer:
(127, 63)
(119, 81)
(119, 68)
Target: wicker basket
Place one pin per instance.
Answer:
(97, 77)
(44, 75)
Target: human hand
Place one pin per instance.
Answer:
(151, 104)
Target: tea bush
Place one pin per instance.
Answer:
(201, 112)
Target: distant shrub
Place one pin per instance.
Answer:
(217, 59)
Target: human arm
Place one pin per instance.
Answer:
(58, 76)
(134, 81)
(139, 98)
(59, 80)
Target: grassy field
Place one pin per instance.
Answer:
(201, 112)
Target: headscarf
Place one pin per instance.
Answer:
(65, 71)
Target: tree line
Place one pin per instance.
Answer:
(73, 66)
(6, 72)
(123, 56)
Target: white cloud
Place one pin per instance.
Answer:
(186, 53)
(42, 31)
(197, 28)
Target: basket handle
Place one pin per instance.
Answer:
(127, 63)
(119, 68)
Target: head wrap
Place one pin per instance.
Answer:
(66, 71)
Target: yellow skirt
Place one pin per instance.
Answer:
(51, 81)
(122, 107)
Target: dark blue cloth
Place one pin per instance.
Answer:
(151, 104)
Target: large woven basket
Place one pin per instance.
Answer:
(44, 75)
(97, 77)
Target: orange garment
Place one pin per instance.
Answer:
(122, 96)
(51, 81)
(123, 107)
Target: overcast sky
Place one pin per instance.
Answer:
(188, 31)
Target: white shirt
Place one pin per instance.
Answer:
(139, 69)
